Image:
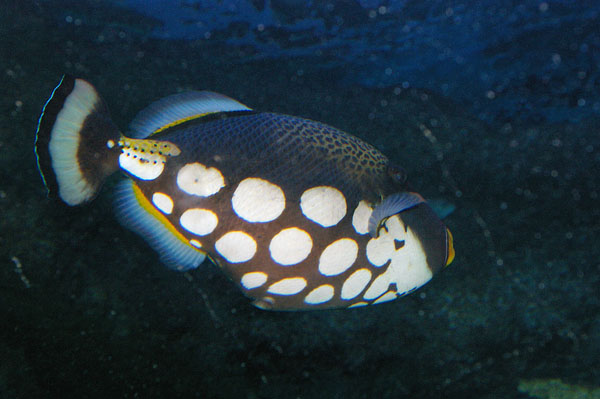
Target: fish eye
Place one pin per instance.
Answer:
(397, 174)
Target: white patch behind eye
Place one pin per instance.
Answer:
(236, 246)
(197, 179)
(380, 250)
(323, 205)
(290, 246)
(257, 200)
(199, 221)
(407, 266)
(163, 202)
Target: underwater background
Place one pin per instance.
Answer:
(493, 108)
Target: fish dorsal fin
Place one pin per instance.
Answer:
(136, 213)
(179, 108)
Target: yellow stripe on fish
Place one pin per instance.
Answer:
(298, 214)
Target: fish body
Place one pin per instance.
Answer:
(298, 214)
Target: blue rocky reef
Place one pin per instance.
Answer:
(490, 106)
(509, 59)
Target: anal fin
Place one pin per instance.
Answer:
(136, 213)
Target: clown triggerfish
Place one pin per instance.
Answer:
(298, 214)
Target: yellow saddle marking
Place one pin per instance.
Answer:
(148, 146)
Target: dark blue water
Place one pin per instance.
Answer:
(492, 107)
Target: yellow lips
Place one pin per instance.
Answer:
(450, 247)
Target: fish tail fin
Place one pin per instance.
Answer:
(76, 142)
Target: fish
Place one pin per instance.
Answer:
(298, 214)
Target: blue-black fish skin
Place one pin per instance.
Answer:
(288, 150)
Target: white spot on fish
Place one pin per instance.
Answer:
(355, 283)
(257, 200)
(140, 164)
(323, 205)
(360, 218)
(287, 286)
(199, 221)
(338, 257)
(196, 243)
(197, 179)
(163, 202)
(253, 280)
(321, 294)
(110, 144)
(236, 246)
(290, 246)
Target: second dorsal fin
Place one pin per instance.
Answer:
(179, 108)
